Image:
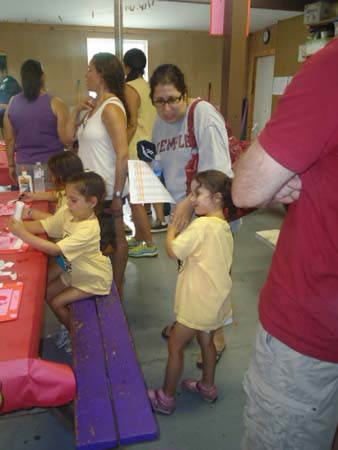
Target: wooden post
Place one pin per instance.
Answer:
(118, 28)
(234, 62)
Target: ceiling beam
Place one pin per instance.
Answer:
(282, 5)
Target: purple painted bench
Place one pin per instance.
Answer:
(111, 405)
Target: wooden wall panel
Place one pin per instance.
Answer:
(63, 52)
(286, 37)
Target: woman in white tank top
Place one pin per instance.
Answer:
(103, 148)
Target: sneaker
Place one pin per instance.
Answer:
(61, 337)
(207, 394)
(68, 347)
(159, 227)
(132, 242)
(143, 251)
(160, 402)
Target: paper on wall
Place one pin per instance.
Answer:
(279, 85)
(144, 185)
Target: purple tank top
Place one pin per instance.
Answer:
(35, 127)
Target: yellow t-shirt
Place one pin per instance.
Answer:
(61, 199)
(145, 117)
(203, 285)
(89, 270)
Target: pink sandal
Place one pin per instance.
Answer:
(160, 402)
(208, 394)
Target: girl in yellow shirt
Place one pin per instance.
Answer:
(202, 302)
(80, 269)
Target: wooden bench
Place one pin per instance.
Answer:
(111, 404)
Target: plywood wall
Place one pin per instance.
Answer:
(63, 53)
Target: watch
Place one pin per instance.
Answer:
(117, 194)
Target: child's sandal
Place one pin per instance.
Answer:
(160, 402)
(207, 394)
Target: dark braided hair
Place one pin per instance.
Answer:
(31, 79)
(136, 60)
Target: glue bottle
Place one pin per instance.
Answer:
(25, 181)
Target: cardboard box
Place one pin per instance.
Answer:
(315, 12)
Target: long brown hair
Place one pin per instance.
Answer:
(111, 70)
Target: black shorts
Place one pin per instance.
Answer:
(107, 226)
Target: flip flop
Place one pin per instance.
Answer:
(219, 354)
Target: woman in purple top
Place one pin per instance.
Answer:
(34, 123)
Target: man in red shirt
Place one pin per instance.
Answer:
(292, 381)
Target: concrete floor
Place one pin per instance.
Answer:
(149, 294)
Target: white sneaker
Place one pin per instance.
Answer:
(61, 337)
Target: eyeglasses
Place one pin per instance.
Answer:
(171, 101)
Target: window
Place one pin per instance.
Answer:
(96, 45)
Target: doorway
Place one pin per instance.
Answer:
(261, 93)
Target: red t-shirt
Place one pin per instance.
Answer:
(299, 301)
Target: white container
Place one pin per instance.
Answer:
(25, 181)
(39, 178)
(19, 206)
(314, 45)
(315, 12)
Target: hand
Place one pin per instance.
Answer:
(27, 196)
(16, 227)
(86, 103)
(116, 206)
(290, 191)
(25, 213)
(181, 217)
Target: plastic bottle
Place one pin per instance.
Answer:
(39, 178)
(19, 206)
(25, 181)
(156, 165)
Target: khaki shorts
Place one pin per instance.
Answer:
(292, 399)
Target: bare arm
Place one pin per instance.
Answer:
(116, 124)
(60, 111)
(73, 119)
(171, 234)
(34, 227)
(35, 214)
(20, 230)
(259, 179)
(10, 145)
(133, 102)
(49, 196)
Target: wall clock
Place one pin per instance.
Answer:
(266, 36)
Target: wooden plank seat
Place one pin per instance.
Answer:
(111, 404)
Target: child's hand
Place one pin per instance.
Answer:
(27, 196)
(26, 214)
(16, 227)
